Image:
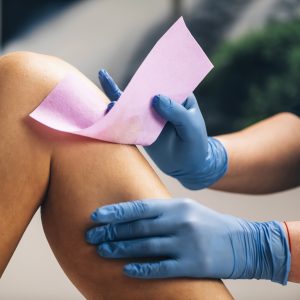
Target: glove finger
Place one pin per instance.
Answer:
(109, 86)
(110, 106)
(150, 247)
(190, 102)
(162, 269)
(198, 123)
(175, 113)
(170, 110)
(129, 211)
(128, 231)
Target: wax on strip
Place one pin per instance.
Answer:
(174, 67)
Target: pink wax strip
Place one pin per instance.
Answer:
(174, 67)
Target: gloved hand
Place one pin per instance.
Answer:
(183, 149)
(194, 241)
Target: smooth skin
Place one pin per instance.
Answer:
(263, 158)
(70, 176)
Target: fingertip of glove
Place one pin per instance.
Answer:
(160, 101)
(155, 100)
(102, 73)
(110, 106)
(127, 269)
(130, 270)
(88, 236)
(94, 216)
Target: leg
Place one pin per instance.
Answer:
(103, 173)
(24, 155)
(25, 148)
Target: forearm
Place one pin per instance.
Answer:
(263, 158)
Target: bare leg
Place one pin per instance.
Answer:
(25, 147)
(24, 155)
(84, 175)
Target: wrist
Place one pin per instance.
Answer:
(212, 169)
(280, 255)
(292, 231)
(267, 254)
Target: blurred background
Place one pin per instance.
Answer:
(255, 47)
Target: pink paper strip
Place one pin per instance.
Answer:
(174, 67)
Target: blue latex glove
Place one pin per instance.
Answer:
(183, 149)
(193, 240)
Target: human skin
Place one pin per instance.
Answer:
(70, 176)
(265, 158)
(294, 231)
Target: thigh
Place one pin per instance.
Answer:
(24, 154)
(85, 175)
(25, 146)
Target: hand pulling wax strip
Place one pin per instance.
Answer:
(174, 67)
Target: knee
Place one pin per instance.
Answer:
(28, 67)
(27, 77)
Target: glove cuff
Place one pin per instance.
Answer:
(274, 258)
(280, 253)
(266, 250)
(211, 170)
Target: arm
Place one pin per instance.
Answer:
(263, 158)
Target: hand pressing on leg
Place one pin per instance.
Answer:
(194, 241)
